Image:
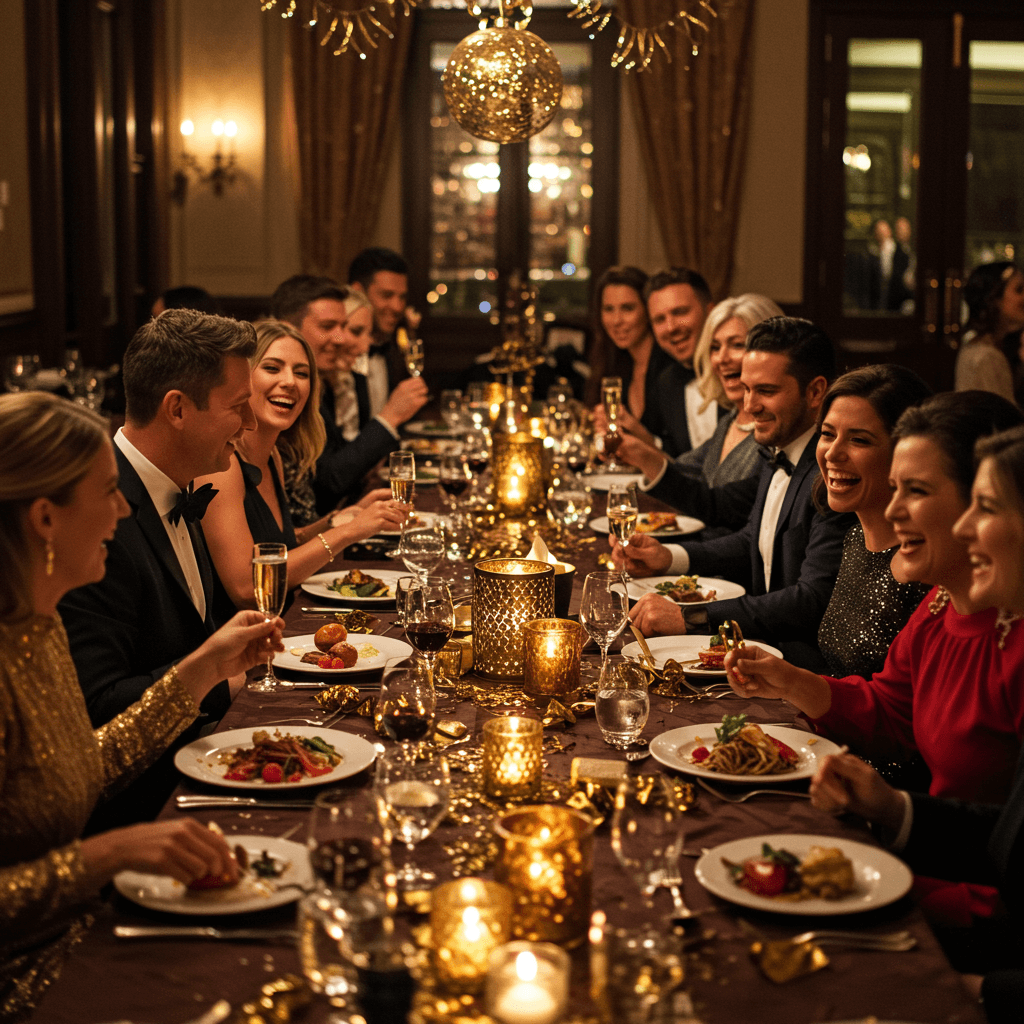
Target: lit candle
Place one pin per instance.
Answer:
(551, 656)
(512, 757)
(469, 919)
(528, 983)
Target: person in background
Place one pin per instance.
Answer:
(59, 509)
(888, 263)
(382, 275)
(249, 506)
(950, 687)
(624, 346)
(994, 294)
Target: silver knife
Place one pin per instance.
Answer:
(186, 802)
(187, 932)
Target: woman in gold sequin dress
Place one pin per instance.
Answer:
(59, 504)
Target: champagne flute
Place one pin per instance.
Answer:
(454, 477)
(611, 398)
(270, 584)
(415, 787)
(622, 514)
(603, 612)
(422, 548)
(402, 477)
(414, 357)
(407, 700)
(429, 617)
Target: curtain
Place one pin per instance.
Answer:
(693, 130)
(347, 114)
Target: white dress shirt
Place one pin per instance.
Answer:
(165, 492)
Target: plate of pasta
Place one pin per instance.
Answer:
(740, 751)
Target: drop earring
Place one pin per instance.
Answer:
(49, 559)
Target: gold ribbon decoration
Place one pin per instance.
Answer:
(355, 29)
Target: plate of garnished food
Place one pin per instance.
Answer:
(602, 481)
(274, 758)
(331, 650)
(701, 656)
(429, 428)
(355, 586)
(685, 590)
(803, 874)
(272, 873)
(740, 751)
(663, 525)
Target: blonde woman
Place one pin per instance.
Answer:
(250, 505)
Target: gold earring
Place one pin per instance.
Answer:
(49, 559)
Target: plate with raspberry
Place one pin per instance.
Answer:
(359, 652)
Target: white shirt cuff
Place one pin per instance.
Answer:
(387, 426)
(647, 485)
(903, 835)
(680, 560)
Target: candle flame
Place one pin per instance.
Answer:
(526, 966)
(471, 924)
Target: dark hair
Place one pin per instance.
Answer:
(888, 388)
(368, 262)
(188, 296)
(982, 293)
(810, 350)
(291, 298)
(678, 275)
(180, 350)
(1006, 450)
(606, 358)
(954, 421)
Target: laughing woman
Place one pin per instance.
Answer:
(950, 687)
(250, 505)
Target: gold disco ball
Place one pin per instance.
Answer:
(503, 84)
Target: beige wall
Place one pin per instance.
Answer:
(246, 241)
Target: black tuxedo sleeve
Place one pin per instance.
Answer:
(684, 489)
(950, 839)
(342, 466)
(728, 557)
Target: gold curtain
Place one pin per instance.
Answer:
(347, 114)
(693, 131)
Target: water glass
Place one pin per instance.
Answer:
(647, 831)
(422, 548)
(622, 705)
(604, 611)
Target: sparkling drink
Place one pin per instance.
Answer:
(403, 490)
(270, 583)
(622, 714)
(622, 523)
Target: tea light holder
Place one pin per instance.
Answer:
(546, 859)
(512, 758)
(507, 593)
(518, 477)
(469, 919)
(528, 983)
(551, 656)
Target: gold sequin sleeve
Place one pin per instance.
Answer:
(42, 889)
(135, 739)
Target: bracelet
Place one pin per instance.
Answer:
(327, 547)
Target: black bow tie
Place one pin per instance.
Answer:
(191, 505)
(379, 348)
(777, 459)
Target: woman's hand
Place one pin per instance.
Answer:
(183, 849)
(378, 515)
(642, 556)
(844, 784)
(752, 672)
(377, 494)
(655, 615)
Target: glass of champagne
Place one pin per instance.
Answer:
(611, 399)
(603, 612)
(422, 548)
(414, 357)
(270, 584)
(414, 787)
(454, 477)
(622, 514)
(407, 699)
(429, 617)
(402, 477)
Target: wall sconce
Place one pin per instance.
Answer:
(223, 170)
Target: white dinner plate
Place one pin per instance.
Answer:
(684, 650)
(602, 481)
(158, 892)
(422, 519)
(429, 428)
(673, 749)
(387, 646)
(684, 525)
(724, 590)
(200, 760)
(880, 877)
(318, 586)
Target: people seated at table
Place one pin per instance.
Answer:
(317, 307)
(950, 687)
(868, 605)
(382, 275)
(787, 554)
(60, 508)
(624, 345)
(994, 294)
(249, 506)
(729, 456)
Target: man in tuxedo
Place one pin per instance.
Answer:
(787, 554)
(317, 307)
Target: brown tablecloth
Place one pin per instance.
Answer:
(171, 981)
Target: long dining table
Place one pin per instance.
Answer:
(172, 980)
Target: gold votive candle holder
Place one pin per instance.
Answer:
(546, 860)
(551, 656)
(512, 758)
(528, 983)
(518, 473)
(507, 593)
(469, 919)
(495, 395)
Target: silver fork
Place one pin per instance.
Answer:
(896, 942)
(740, 797)
(672, 880)
(305, 721)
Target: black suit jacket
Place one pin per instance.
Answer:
(343, 465)
(126, 630)
(805, 561)
(668, 417)
(728, 505)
